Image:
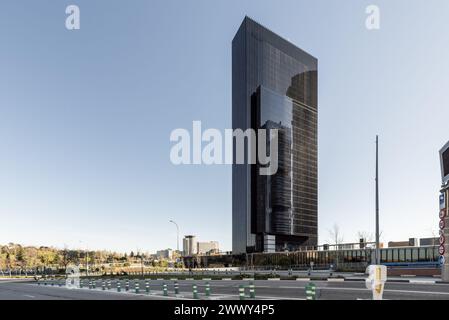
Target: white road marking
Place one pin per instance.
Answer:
(29, 296)
(387, 290)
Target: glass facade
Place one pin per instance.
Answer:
(446, 162)
(275, 87)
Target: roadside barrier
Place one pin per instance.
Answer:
(311, 291)
(241, 292)
(147, 286)
(207, 289)
(195, 291)
(252, 290)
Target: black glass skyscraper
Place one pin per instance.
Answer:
(274, 86)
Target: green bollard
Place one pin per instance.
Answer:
(119, 286)
(127, 285)
(137, 287)
(165, 290)
(311, 291)
(90, 284)
(195, 292)
(147, 286)
(207, 289)
(94, 284)
(109, 284)
(241, 292)
(252, 290)
(103, 285)
(176, 287)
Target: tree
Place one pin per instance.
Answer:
(337, 239)
(336, 236)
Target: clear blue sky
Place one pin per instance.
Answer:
(85, 116)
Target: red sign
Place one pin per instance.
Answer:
(442, 224)
(442, 239)
(442, 213)
(441, 250)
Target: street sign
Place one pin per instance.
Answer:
(441, 250)
(442, 224)
(442, 260)
(442, 239)
(442, 213)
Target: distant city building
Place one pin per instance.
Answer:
(189, 246)
(164, 254)
(429, 242)
(208, 247)
(274, 86)
(414, 242)
(396, 244)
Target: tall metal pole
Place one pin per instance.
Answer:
(177, 234)
(377, 203)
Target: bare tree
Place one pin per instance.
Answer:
(336, 236)
(337, 239)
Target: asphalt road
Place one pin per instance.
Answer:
(220, 290)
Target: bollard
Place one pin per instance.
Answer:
(119, 286)
(90, 284)
(165, 290)
(176, 287)
(147, 286)
(311, 291)
(109, 284)
(195, 291)
(252, 290)
(241, 292)
(60, 283)
(103, 285)
(207, 289)
(127, 285)
(94, 284)
(137, 287)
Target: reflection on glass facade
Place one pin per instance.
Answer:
(446, 162)
(275, 87)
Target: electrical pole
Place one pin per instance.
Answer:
(377, 203)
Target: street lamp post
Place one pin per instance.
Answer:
(177, 234)
(377, 203)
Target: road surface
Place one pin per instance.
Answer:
(220, 290)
